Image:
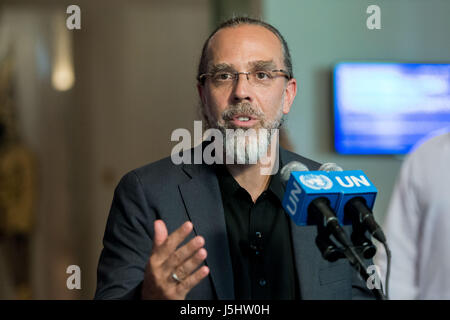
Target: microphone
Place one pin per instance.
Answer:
(310, 198)
(330, 166)
(286, 171)
(358, 237)
(357, 199)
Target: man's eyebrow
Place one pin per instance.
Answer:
(263, 65)
(255, 65)
(220, 67)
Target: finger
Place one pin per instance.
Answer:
(187, 284)
(173, 240)
(183, 253)
(191, 264)
(160, 232)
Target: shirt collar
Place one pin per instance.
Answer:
(229, 186)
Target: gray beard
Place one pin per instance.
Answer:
(243, 147)
(247, 145)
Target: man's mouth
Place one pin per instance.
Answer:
(243, 120)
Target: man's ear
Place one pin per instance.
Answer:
(289, 95)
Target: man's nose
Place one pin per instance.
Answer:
(242, 88)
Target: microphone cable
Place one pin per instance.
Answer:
(388, 267)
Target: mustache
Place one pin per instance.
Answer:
(239, 109)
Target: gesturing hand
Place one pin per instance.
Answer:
(170, 272)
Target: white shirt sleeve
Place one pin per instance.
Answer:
(401, 228)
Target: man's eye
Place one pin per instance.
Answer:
(262, 75)
(223, 76)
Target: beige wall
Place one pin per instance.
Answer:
(138, 85)
(135, 65)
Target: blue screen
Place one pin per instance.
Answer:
(385, 108)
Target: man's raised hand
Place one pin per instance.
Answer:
(171, 272)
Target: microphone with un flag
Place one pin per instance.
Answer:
(315, 196)
(339, 187)
(302, 189)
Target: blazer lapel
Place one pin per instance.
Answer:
(307, 260)
(203, 201)
(306, 254)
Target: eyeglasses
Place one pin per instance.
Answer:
(256, 78)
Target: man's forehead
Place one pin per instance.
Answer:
(244, 44)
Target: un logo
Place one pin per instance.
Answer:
(316, 181)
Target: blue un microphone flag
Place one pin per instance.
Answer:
(337, 186)
(352, 184)
(302, 188)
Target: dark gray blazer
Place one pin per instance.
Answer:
(177, 193)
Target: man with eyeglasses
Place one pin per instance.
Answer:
(219, 231)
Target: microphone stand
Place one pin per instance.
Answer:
(320, 207)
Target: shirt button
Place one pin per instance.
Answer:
(262, 282)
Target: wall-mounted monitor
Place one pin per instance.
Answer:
(385, 108)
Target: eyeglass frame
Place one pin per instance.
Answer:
(236, 74)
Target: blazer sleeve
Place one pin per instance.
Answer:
(127, 242)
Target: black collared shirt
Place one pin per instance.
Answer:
(260, 240)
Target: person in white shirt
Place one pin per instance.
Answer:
(417, 224)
